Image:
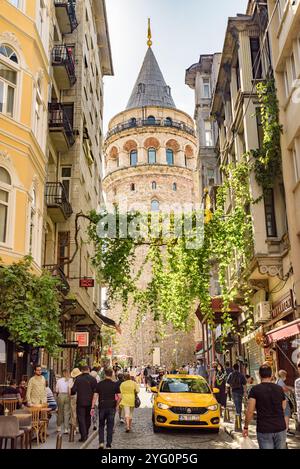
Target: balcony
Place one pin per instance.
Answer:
(63, 66)
(59, 207)
(60, 128)
(66, 15)
(162, 123)
(57, 272)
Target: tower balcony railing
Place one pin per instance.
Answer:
(66, 15)
(138, 123)
(60, 127)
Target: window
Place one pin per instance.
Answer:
(154, 185)
(296, 160)
(8, 80)
(133, 158)
(132, 122)
(32, 227)
(211, 177)
(41, 19)
(260, 130)
(5, 188)
(38, 114)
(174, 186)
(293, 66)
(151, 156)
(170, 157)
(256, 57)
(206, 88)
(270, 214)
(154, 206)
(168, 121)
(132, 187)
(64, 250)
(208, 134)
(66, 173)
(16, 3)
(151, 120)
(141, 88)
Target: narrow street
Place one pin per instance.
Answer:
(142, 436)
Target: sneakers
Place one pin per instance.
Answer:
(101, 446)
(66, 432)
(122, 420)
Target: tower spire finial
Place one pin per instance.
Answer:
(149, 43)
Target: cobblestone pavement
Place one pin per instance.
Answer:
(142, 436)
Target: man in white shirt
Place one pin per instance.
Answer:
(63, 386)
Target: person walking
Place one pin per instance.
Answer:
(269, 401)
(107, 393)
(282, 376)
(73, 399)
(119, 382)
(201, 369)
(95, 416)
(220, 383)
(84, 386)
(36, 389)
(229, 370)
(62, 389)
(128, 390)
(237, 382)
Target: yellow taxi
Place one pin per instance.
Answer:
(185, 401)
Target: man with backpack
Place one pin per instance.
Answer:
(237, 382)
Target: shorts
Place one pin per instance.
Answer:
(128, 411)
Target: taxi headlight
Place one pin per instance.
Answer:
(162, 406)
(213, 407)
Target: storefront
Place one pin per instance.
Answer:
(254, 352)
(282, 334)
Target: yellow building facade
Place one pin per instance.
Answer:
(24, 85)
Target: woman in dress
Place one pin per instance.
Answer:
(128, 390)
(220, 383)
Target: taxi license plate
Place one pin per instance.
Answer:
(189, 418)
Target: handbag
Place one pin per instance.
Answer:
(137, 401)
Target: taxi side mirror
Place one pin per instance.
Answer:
(154, 389)
(216, 390)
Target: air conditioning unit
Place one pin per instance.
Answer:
(262, 312)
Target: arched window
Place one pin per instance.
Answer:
(174, 186)
(170, 157)
(8, 79)
(154, 185)
(168, 121)
(133, 158)
(132, 187)
(151, 120)
(132, 122)
(154, 206)
(151, 156)
(5, 188)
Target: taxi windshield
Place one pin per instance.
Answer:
(187, 385)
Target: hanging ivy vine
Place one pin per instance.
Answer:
(29, 306)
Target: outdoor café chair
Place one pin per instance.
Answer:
(10, 430)
(25, 423)
(10, 404)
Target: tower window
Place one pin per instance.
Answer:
(170, 157)
(132, 187)
(168, 121)
(133, 158)
(154, 185)
(151, 156)
(132, 122)
(151, 120)
(206, 88)
(174, 186)
(141, 87)
(154, 206)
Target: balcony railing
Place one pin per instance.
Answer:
(58, 272)
(131, 124)
(66, 15)
(56, 197)
(59, 122)
(63, 57)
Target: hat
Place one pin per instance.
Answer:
(76, 372)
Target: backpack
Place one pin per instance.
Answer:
(235, 380)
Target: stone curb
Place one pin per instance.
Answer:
(89, 440)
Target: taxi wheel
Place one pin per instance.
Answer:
(155, 428)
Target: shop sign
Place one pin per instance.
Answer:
(87, 282)
(82, 338)
(284, 306)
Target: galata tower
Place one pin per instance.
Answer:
(150, 162)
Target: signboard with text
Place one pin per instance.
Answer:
(82, 338)
(87, 282)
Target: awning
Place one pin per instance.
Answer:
(108, 321)
(284, 332)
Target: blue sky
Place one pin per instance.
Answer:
(181, 30)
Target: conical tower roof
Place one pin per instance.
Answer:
(150, 88)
